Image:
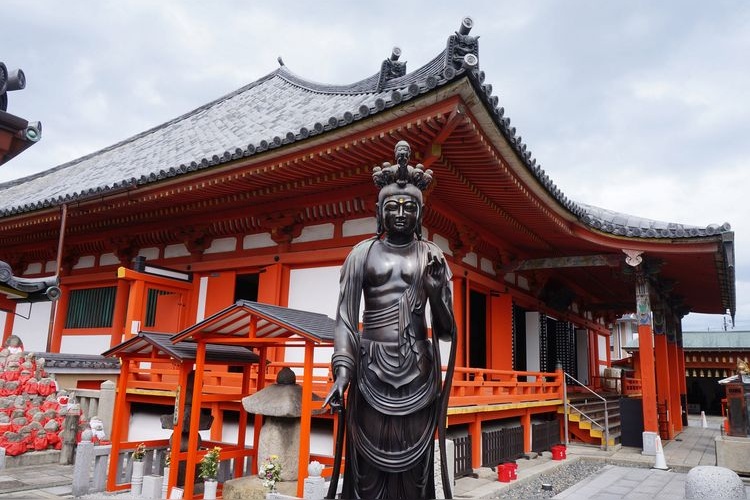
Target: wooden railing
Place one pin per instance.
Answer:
(631, 386)
(471, 386)
(480, 386)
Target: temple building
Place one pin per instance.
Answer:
(194, 227)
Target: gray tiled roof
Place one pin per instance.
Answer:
(279, 109)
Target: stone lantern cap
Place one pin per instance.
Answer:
(282, 399)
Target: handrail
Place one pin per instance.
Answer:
(566, 405)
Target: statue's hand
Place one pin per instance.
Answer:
(435, 274)
(335, 397)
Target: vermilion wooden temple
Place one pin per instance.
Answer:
(258, 197)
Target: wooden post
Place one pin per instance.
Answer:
(192, 451)
(258, 420)
(120, 422)
(674, 386)
(475, 431)
(306, 421)
(662, 382)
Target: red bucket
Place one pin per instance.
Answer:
(504, 474)
(558, 452)
(513, 468)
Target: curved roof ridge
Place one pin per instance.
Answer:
(368, 85)
(622, 224)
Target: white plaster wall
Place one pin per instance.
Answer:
(603, 347)
(532, 341)
(151, 253)
(261, 240)
(314, 289)
(315, 233)
(178, 250)
(33, 331)
(50, 266)
(34, 268)
(202, 294)
(220, 245)
(355, 227)
(108, 259)
(442, 243)
(85, 344)
(85, 262)
(471, 259)
(487, 266)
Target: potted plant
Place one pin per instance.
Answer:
(208, 470)
(270, 473)
(136, 478)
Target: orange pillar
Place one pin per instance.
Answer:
(61, 313)
(120, 310)
(501, 333)
(646, 352)
(10, 309)
(674, 390)
(663, 395)
(526, 424)
(135, 313)
(475, 431)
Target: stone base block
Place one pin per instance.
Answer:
(251, 488)
(33, 458)
(733, 453)
(649, 443)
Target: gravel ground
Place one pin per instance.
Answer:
(561, 478)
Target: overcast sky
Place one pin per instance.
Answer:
(641, 107)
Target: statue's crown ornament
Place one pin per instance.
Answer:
(401, 173)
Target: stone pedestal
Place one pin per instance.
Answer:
(649, 443)
(280, 436)
(152, 487)
(315, 488)
(733, 453)
(251, 488)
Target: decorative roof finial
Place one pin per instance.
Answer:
(391, 68)
(463, 50)
(281, 61)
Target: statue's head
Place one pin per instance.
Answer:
(400, 193)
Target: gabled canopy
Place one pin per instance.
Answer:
(259, 323)
(151, 344)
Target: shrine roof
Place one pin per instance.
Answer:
(716, 341)
(283, 108)
(145, 343)
(273, 322)
(55, 362)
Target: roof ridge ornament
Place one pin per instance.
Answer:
(391, 68)
(462, 50)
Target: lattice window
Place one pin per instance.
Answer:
(91, 307)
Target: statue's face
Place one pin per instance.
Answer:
(400, 214)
